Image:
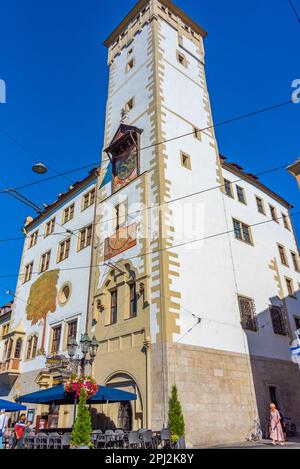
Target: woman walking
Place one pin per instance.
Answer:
(276, 432)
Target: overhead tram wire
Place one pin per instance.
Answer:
(225, 122)
(205, 238)
(294, 10)
(152, 207)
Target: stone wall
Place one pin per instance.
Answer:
(222, 393)
(216, 392)
(283, 375)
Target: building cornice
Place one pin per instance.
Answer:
(253, 180)
(62, 199)
(139, 6)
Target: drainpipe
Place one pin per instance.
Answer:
(147, 348)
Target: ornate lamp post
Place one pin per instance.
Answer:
(86, 346)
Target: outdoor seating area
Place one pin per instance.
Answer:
(110, 439)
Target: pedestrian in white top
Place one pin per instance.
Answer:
(3, 426)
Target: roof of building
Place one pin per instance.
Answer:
(62, 198)
(5, 309)
(139, 6)
(252, 179)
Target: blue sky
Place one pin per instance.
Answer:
(55, 67)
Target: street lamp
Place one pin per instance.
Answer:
(39, 168)
(86, 346)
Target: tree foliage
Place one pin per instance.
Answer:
(81, 434)
(176, 419)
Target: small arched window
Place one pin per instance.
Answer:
(18, 348)
(133, 301)
(34, 346)
(29, 348)
(9, 351)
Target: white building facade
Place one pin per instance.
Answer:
(185, 290)
(193, 276)
(52, 292)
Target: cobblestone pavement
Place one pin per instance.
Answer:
(293, 443)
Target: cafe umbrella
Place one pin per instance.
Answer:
(9, 406)
(58, 396)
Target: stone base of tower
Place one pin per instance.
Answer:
(222, 393)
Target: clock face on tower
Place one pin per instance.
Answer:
(125, 166)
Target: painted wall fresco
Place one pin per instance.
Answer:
(42, 300)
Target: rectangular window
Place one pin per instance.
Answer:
(56, 335)
(29, 348)
(295, 261)
(228, 188)
(72, 329)
(273, 395)
(260, 205)
(283, 256)
(34, 346)
(28, 272)
(181, 59)
(10, 346)
(85, 237)
(114, 307)
(68, 213)
(18, 348)
(197, 133)
(247, 311)
(286, 222)
(242, 231)
(241, 194)
(45, 261)
(5, 329)
(186, 160)
(278, 321)
(130, 65)
(129, 105)
(290, 287)
(273, 213)
(49, 229)
(133, 301)
(64, 250)
(88, 199)
(33, 239)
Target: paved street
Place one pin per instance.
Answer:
(293, 443)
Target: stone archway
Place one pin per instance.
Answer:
(127, 415)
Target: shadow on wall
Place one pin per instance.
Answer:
(276, 377)
(101, 421)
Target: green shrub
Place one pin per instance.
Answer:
(176, 419)
(81, 434)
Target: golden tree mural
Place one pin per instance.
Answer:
(42, 300)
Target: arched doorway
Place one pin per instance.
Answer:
(125, 416)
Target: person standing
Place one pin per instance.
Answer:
(3, 426)
(19, 432)
(276, 432)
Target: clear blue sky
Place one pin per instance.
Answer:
(55, 67)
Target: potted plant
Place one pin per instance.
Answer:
(81, 433)
(176, 421)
